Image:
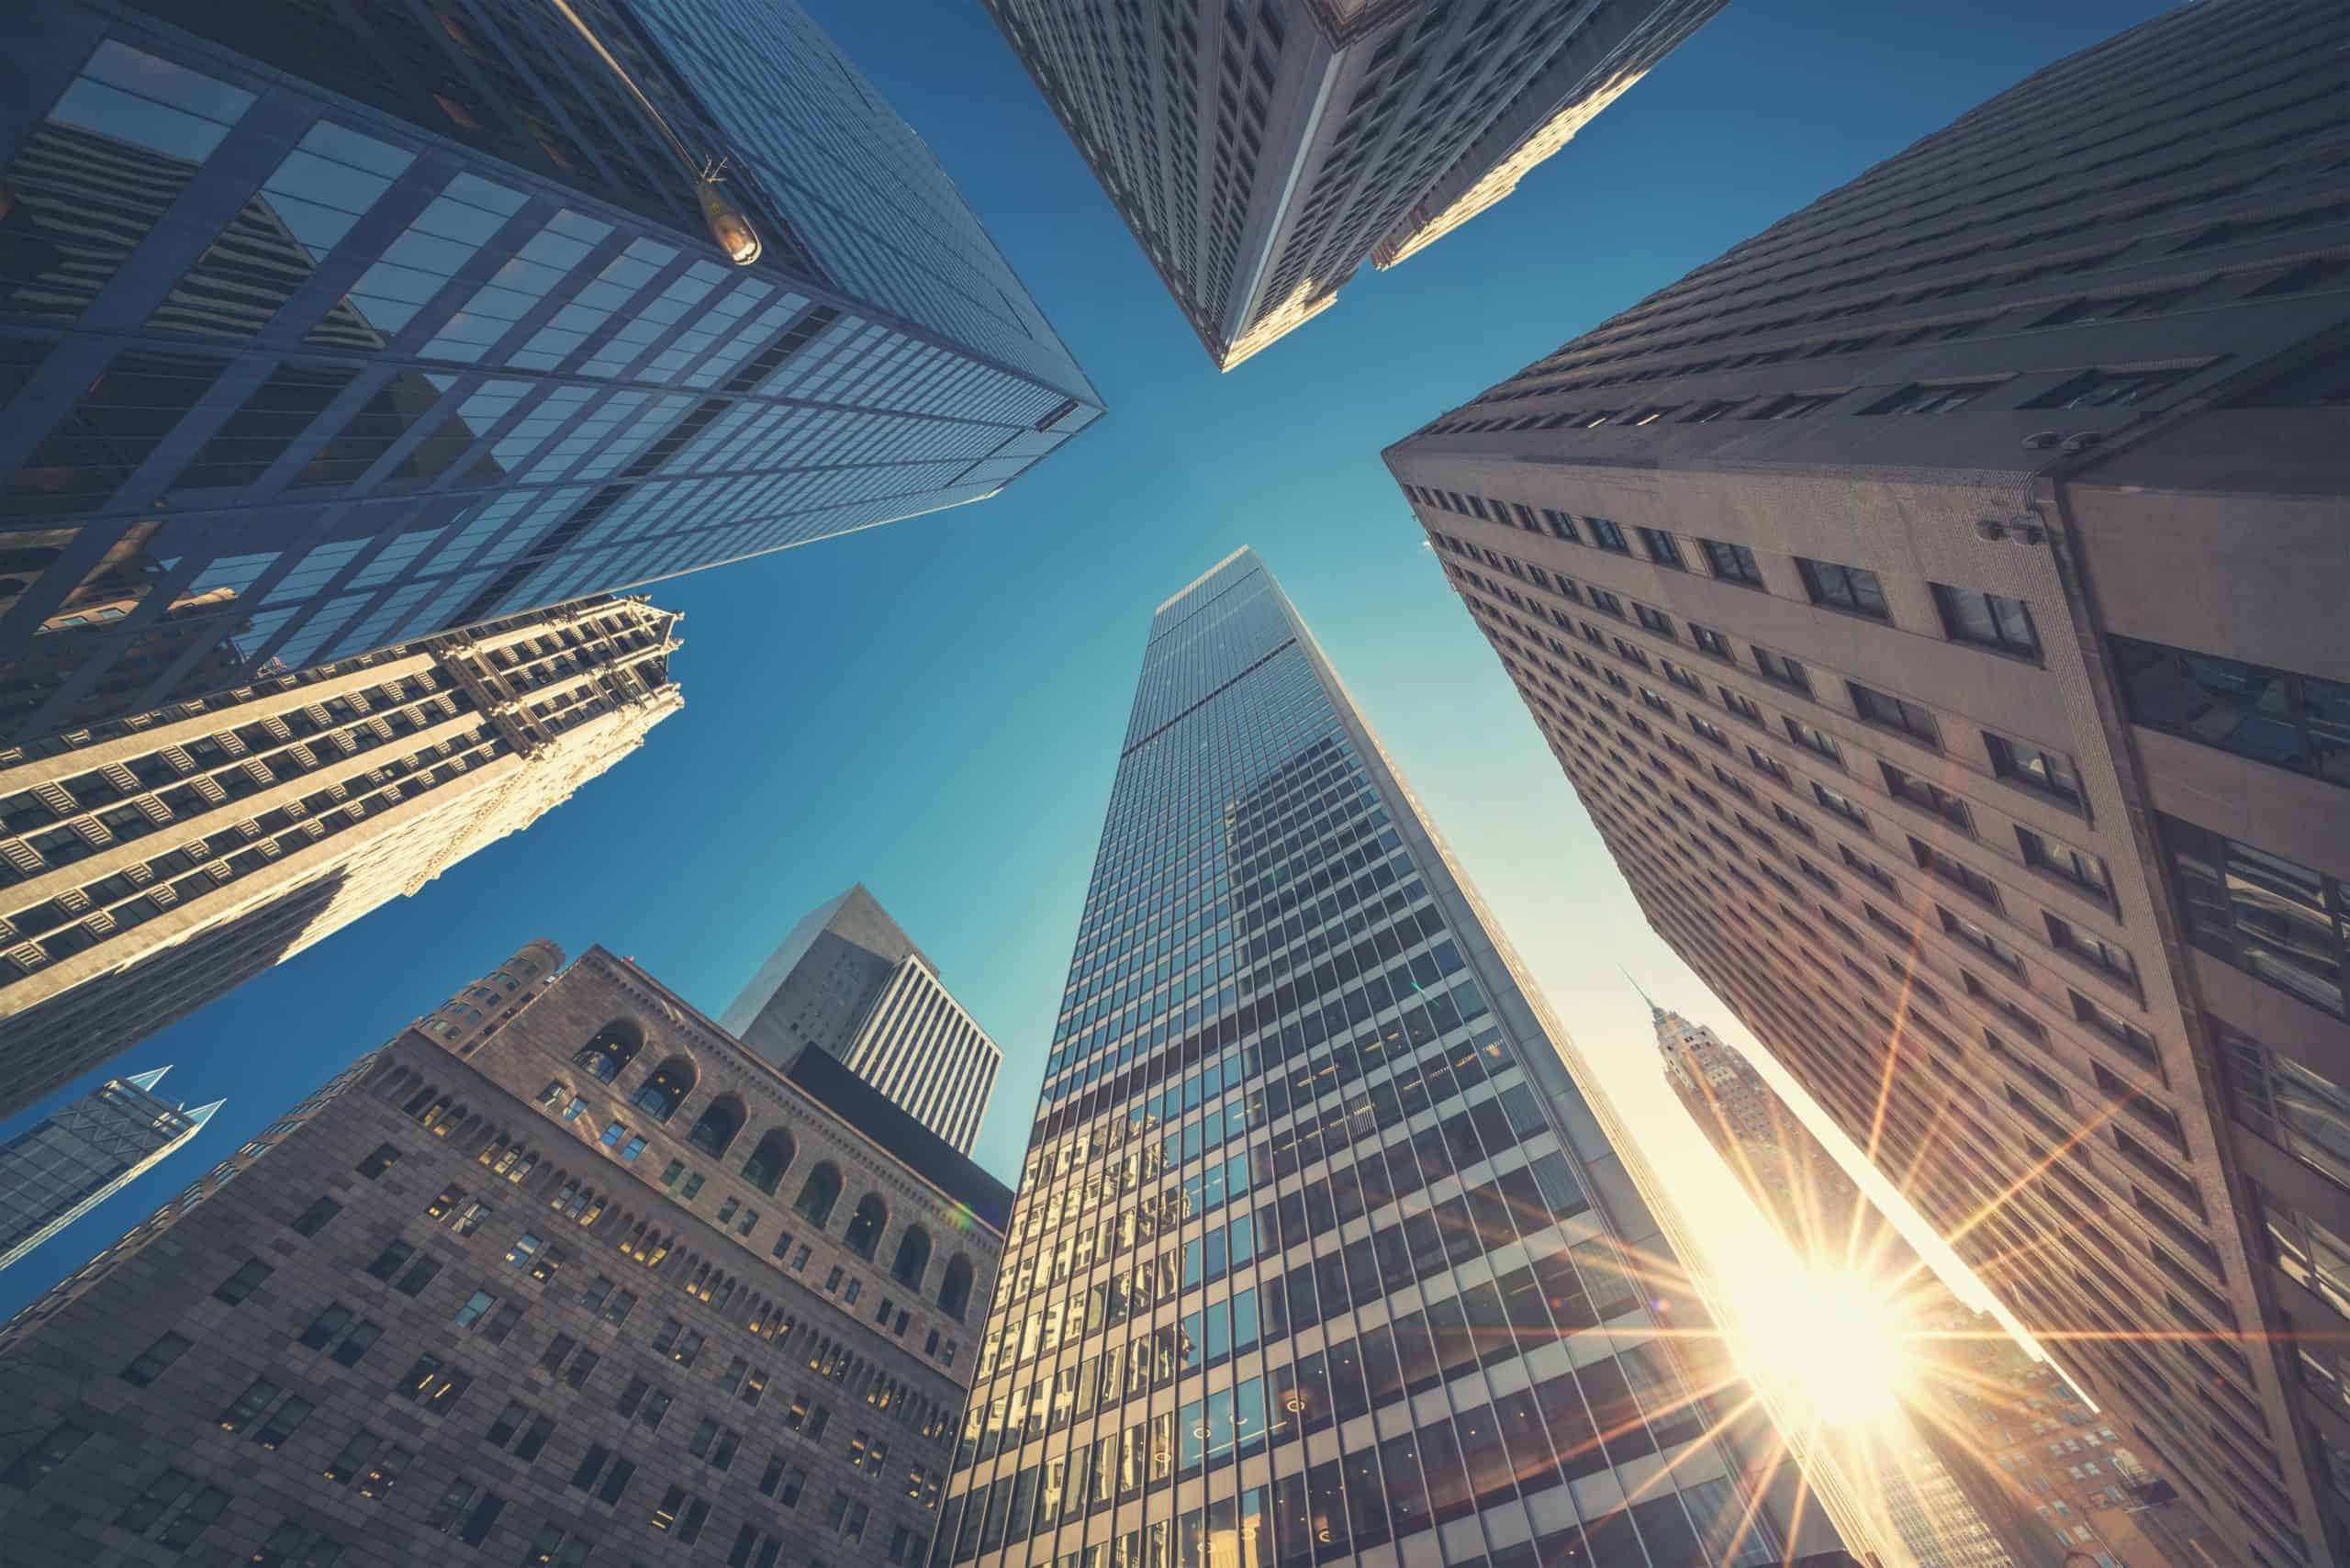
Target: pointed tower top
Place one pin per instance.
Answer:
(202, 1113)
(148, 1080)
(1654, 1010)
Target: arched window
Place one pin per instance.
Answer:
(821, 1190)
(769, 1160)
(864, 1231)
(913, 1256)
(954, 1290)
(658, 1096)
(614, 1046)
(719, 1124)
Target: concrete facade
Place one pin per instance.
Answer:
(155, 863)
(447, 1314)
(1260, 153)
(328, 326)
(849, 981)
(1935, 602)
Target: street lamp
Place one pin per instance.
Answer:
(727, 224)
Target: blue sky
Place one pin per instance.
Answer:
(934, 707)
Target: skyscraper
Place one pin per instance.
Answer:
(1234, 1326)
(56, 1172)
(1936, 602)
(849, 981)
(445, 1310)
(1259, 152)
(162, 860)
(328, 326)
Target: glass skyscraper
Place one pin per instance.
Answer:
(329, 324)
(1320, 1254)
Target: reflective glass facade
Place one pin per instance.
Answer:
(329, 324)
(1319, 1254)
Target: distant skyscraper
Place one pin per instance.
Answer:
(849, 983)
(1319, 1246)
(1936, 602)
(1260, 152)
(605, 1286)
(53, 1173)
(160, 861)
(332, 326)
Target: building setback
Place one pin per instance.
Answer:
(1231, 1320)
(59, 1169)
(849, 981)
(157, 862)
(328, 326)
(608, 1287)
(1260, 153)
(1935, 600)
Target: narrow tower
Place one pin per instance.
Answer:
(56, 1172)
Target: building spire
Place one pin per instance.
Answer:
(1654, 1010)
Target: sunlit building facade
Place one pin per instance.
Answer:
(1261, 151)
(329, 324)
(1935, 600)
(849, 981)
(605, 1287)
(1320, 1255)
(67, 1164)
(151, 865)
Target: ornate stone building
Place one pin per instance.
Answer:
(579, 1277)
(151, 864)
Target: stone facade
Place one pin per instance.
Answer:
(452, 1315)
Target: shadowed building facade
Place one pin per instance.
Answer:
(59, 1170)
(151, 864)
(595, 1283)
(849, 981)
(1261, 151)
(1936, 602)
(328, 326)
(1320, 1254)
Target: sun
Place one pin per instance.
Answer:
(1830, 1345)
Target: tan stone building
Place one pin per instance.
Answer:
(579, 1279)
(1936, 603)
(1260, 153)
(151, 864)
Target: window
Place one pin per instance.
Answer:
(1986, 620)
(1975, 936)
(1710, 732)
(2118, 1029)
(1844, 588)
(1732, 563)
(1956, 872)
(2289, 721)
(1655, 621)
(2294, 1106)
(1895, 713)
(1841, 804)
(2035, 767)
(1813, 738)
(2086, 872)
(2092, 950)
(357, 1343)
(1711, 641)
(2276, 920)
(43, 1457)
(1783, 669)
(312, 1220)
(375, 1164)
(420, 1274)
(1607, 536)
(247, 1407)
(240, 1284)
(283, 1421)
(1795, 405)
(158, 1494)
(154, 1358)
(818, 1194)
(1662, 548)
(1931, 397)
(2111, 388)
(1927, 797)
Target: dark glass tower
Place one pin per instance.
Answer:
(328, 324)
(1320, 1253)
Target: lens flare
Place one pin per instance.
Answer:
(1829, 1344)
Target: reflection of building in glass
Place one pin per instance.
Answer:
(339, 327)
(596, 1281)
(1936, 602)
(54, 1172)
(1262, 152)
(850, 983)
(1319, 1244)
(156, 863)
